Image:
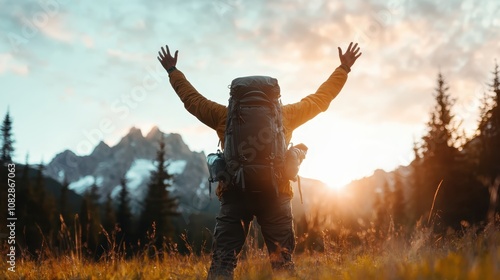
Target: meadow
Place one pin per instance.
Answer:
(470, 253)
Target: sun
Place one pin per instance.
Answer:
(334, 181)
(335, 185)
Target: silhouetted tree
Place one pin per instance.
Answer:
(7, 139)
(39, 224)
(109, 220)
(24, 194)
(63, 202)
(124, 215)
(5, 158)
(159, 206)
(47, 212)
(489, 134)
(444, 160)
(398, 201)
(438, 148)
(90, 220)
(417, 201)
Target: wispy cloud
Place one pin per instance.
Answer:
(56, 29)
(9, 64)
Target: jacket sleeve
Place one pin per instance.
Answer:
(208, 112)
(313, 104)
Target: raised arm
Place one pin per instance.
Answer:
(298, 113)
(208, 112)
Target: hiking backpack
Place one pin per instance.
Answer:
(254, 144)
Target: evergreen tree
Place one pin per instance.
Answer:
(489, 135)
(124, 216)
(417, 199)
(24, 195)
(5, 158)
(440, 141)
(109, 215)
(489, 130)
(398, 201)
(90, 221)
(159, 206)
(438, 148)
(443, 160)
(47, 213)
(40, 222)
(63, 202)
(7, 140)
(107, 238)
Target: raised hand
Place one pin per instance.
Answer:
(350, 56)
(166, 60)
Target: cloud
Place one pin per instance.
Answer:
(9, 64)
(56, 28)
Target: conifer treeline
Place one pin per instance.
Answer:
(454, 175)
(46, 222)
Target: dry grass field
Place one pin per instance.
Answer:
(468, 254)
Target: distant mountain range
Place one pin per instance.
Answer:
(134, 158)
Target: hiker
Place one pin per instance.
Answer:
(237, 208)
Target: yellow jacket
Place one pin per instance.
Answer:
(213, 114)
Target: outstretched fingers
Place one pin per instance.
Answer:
(163, 52)
(349, 48)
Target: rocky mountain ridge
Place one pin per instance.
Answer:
(133, 158)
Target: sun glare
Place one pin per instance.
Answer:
(335, 185)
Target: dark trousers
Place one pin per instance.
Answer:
(237, 210)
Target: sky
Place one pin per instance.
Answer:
(74, 73)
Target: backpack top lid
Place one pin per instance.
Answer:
(266, 84)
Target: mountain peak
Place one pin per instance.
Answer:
(134, 131)
(154, 133)
(101, 149)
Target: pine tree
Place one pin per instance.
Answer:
(417, 200)
(433, 154)
(107, 239)
(40, 223)
(63, 202)
(5, 158)
(48, 211)
(489, 130)
(398, 201)
(7, 141)
(24, 195)
(489, 136)
(124, 215)
(109, 215)
(444, 160)
(439, 152)
(90, 220)
(159, 206)
(440, 140)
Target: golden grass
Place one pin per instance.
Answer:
(468, 256)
